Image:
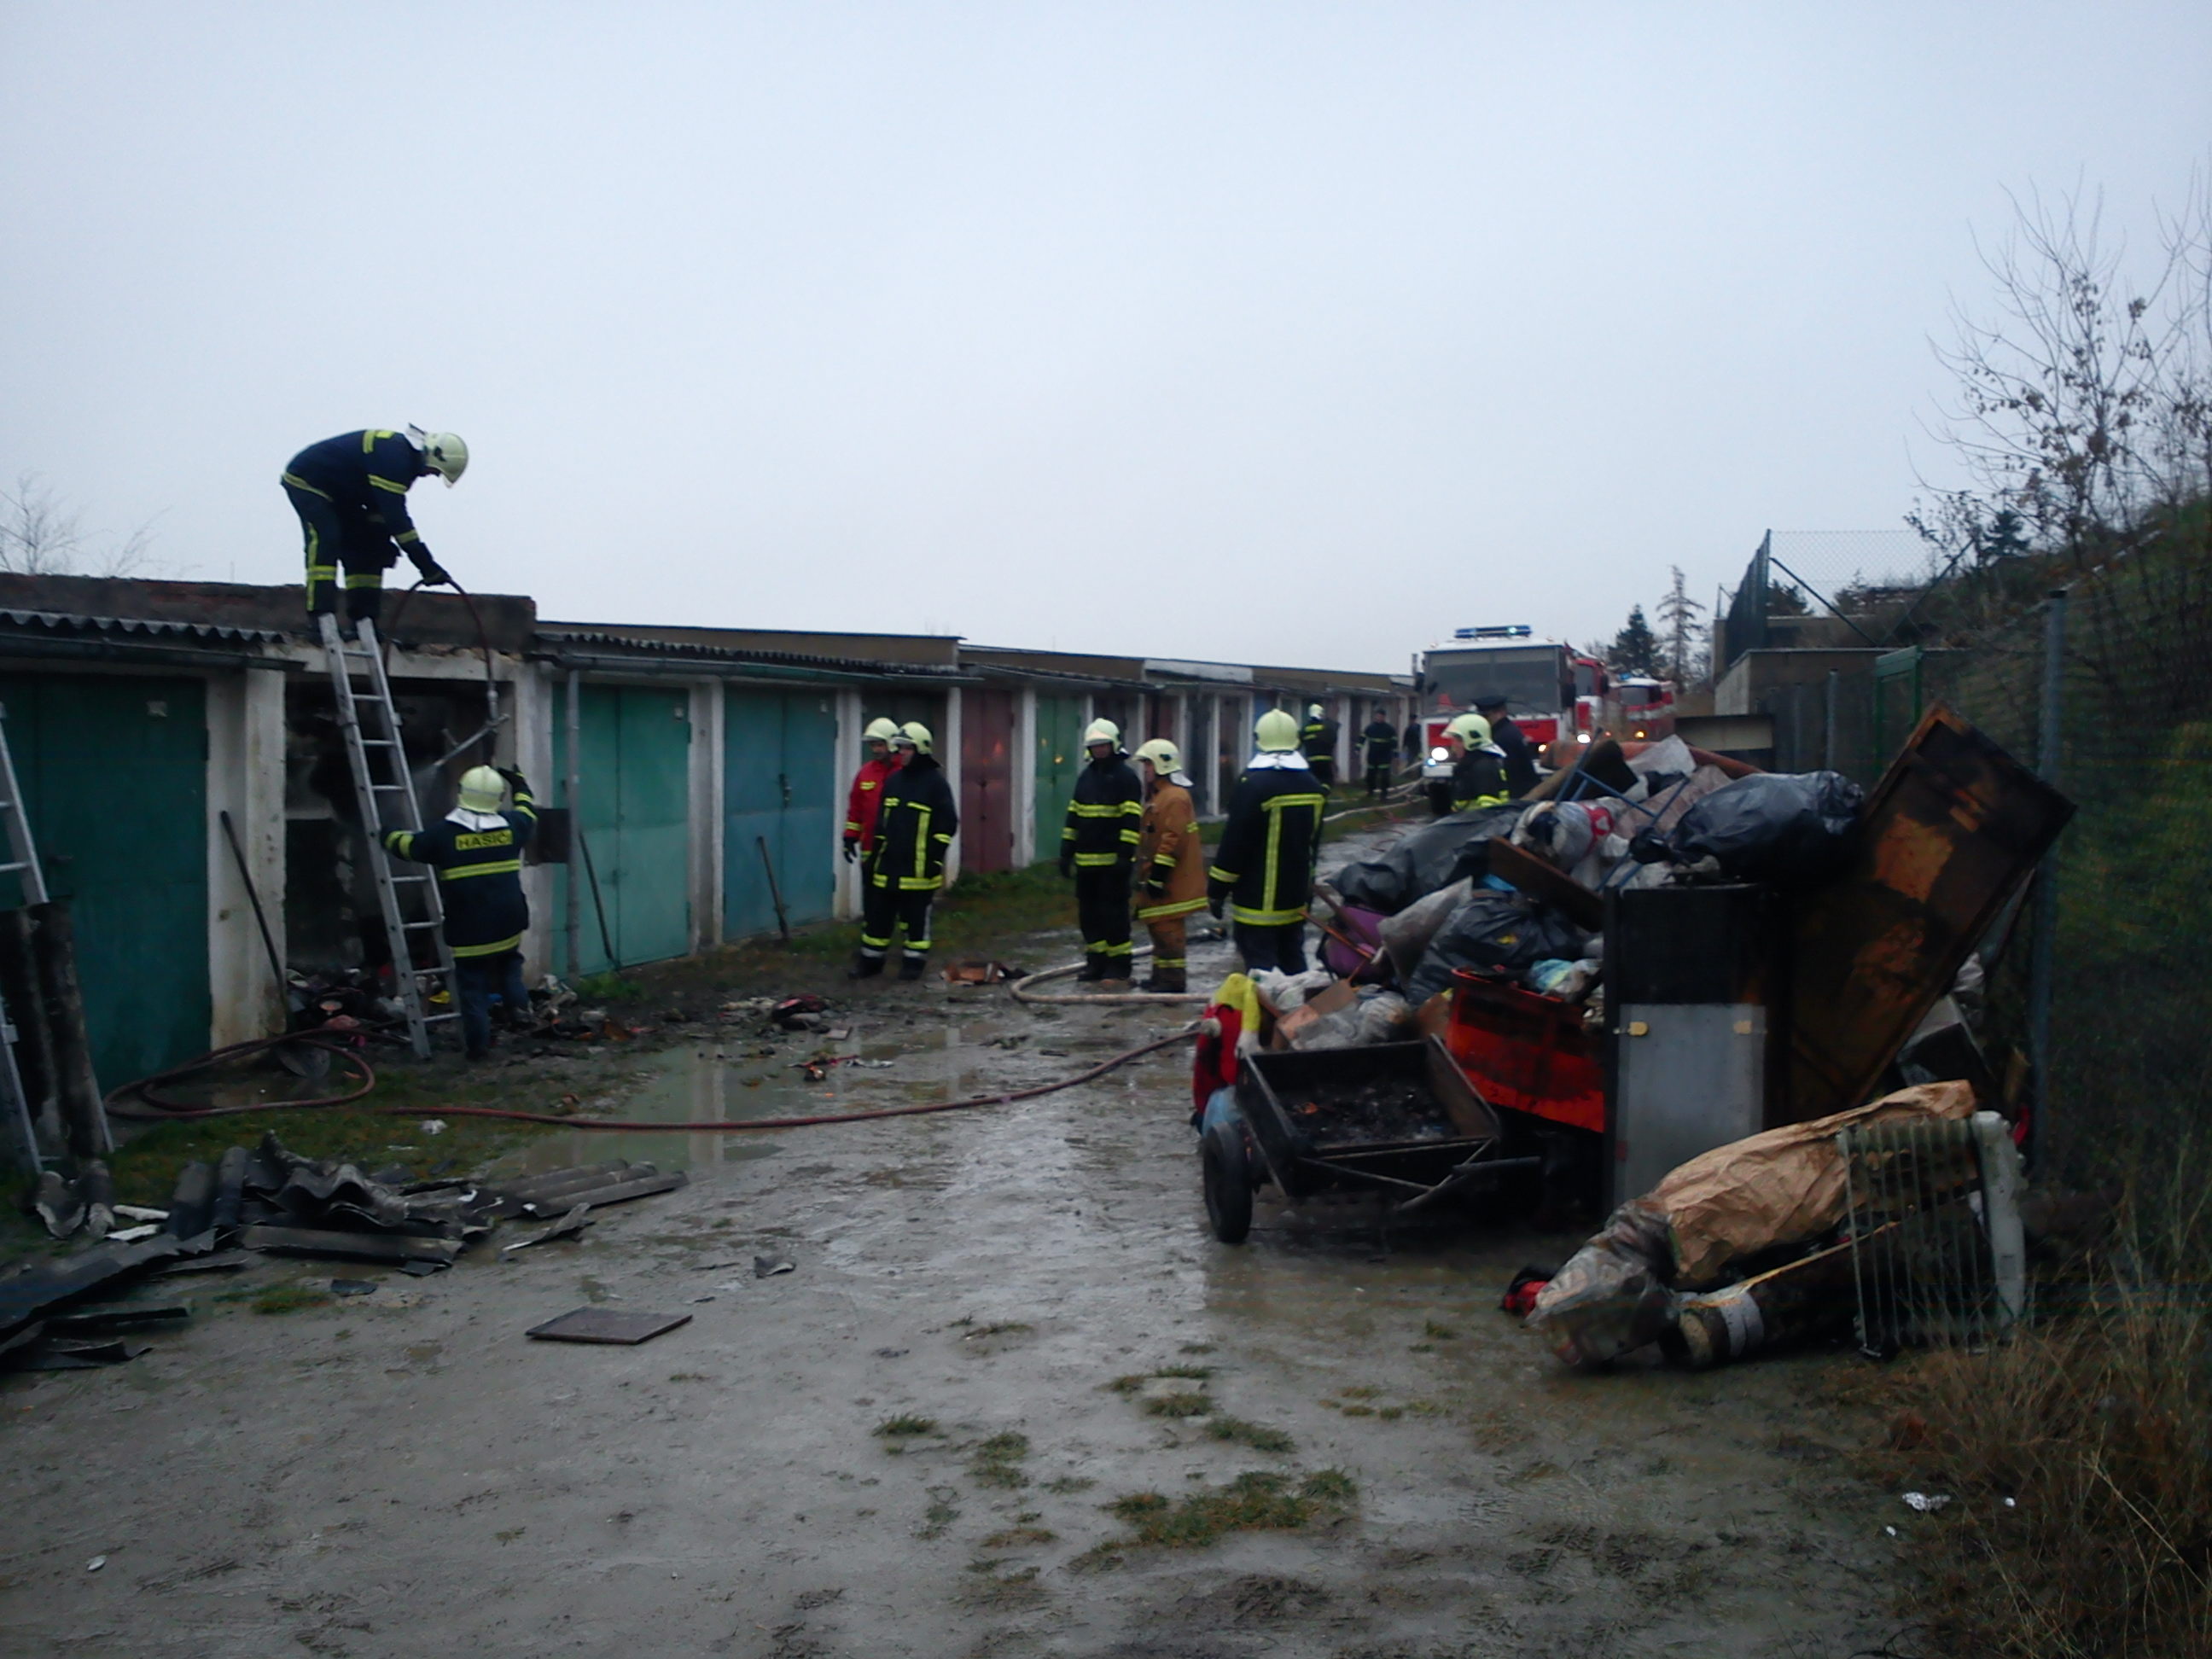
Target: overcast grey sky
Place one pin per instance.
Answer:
(1272, 332)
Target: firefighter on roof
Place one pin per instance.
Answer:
(351, 493)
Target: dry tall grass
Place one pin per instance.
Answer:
(2098, 1426)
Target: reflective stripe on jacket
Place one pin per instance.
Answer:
(1169, 855)
(1104, 816)
(915, 828)
(1478, 780)
(1265, 863)
(479, 859)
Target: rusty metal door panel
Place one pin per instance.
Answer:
(1953, 831)
(987, 776)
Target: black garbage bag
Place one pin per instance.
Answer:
(1428, 859)
(1793, 828)
(1495, 932)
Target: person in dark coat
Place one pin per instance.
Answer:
(1098, 847)
(1512, 743)
(914, 827)
(1317, 739)
(476, 850)
(1263, 869)
(351, 493)
(1379, 743)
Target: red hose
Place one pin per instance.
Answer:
(627, 1126)
(168, 1107)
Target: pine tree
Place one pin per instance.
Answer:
(1635, 648)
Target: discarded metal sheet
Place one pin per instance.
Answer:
(118, 1316)
(132, 1235)
(26, 1295)
(423, 1269)
(360, 1247)
(140, 1213)
(353, 1287)
(593, 1198)
(230, 1187)
(570, 1225)
(219, 1262)
(79, 1356)
(606, 1325)
(1953, 831)
(192, 1200)
(768, 1267)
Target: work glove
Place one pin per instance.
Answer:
(1214, 899)
(1066, 865)
(1155, 890)
(515, 780)
(852, 849)
(431, 573)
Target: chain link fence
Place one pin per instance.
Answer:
(2100, 973)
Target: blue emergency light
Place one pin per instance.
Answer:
(1500, 631)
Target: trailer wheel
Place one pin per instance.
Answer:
(1228, 1178)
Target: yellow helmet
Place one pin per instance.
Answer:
(443, 452)
(482, 789)
(1101, 731)
(1277, 730)
(881, 731)
(916, 736)
(1472, 729)
(1166, 759)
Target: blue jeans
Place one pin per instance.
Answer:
(482, 978)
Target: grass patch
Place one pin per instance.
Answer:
(1005, 1327)
(1070, 1483)
(1129, 1384)
(1018, 1537)
(939, 1515)
(1357, 1411)
(997, 1462)
(1258, 1501)
(609, 987)
(290, 1298)
(1438, 1332)
(1178, 1404)
(1257, 1435)
(1195, 1373)
(1359, 1394)
(905, 1426)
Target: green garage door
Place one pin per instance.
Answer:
(779, 786)
(636, 792)
(114, 777)
(1059, 758)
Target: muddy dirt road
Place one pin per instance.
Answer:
(1031, 1296)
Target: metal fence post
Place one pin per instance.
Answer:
(1828, 743)
(2041, 962)
(572, 785)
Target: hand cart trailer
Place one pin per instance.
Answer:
(1398, 1118)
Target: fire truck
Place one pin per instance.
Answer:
(1629, 707)
(1535, 677)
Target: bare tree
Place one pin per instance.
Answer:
(42, 535)
(1678, 615)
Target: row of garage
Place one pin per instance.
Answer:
(179, 761)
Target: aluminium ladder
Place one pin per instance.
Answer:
(22, 863)
(386, 805)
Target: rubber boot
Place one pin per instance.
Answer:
(912, 967)
(1094, 970)
(1167, 982)
(863, 966)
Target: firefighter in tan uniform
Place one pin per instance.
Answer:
(1170, 862)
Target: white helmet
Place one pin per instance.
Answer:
(1313, 712)
(881, 731)
(917, 737)
(443, 452)
(481, 787)
(1102, 732)
(1167, 760)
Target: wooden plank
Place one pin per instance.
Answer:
(1545, 881)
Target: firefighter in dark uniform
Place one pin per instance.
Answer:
(1477, 777)
(1379, 743)
(1512, 743)
(351, 493)
(915, 828)
(1098, 847)
(476, 850)
(1317, 737)
(1263, 868)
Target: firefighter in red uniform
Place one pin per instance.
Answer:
(866, 799)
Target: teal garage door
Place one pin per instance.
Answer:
(636, 790)
(780, 792)
(114, 779)
(1059, 758)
